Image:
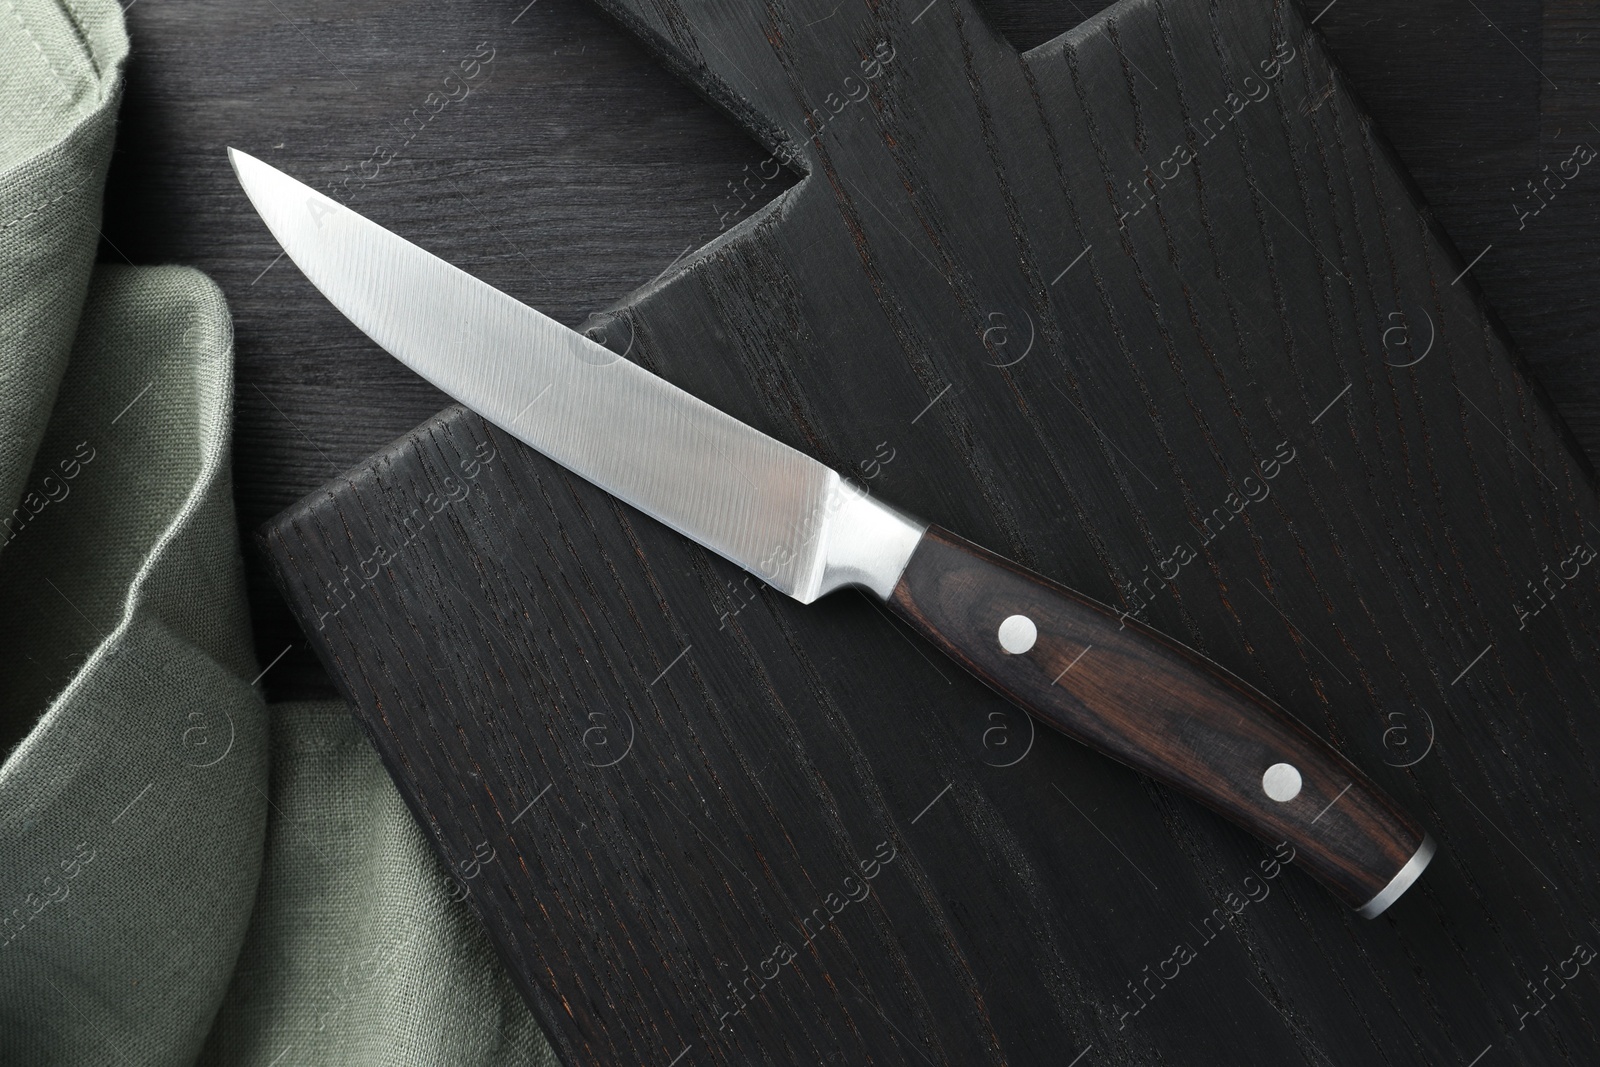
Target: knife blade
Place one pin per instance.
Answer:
(1122, 688)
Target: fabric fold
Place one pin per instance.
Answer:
(132, 814)
(59, 86)
(361, 950)
(164, 899)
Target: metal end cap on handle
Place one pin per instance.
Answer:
(1401, 881)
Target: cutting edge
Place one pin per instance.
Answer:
(778, 513)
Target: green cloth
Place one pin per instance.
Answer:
(186, 874)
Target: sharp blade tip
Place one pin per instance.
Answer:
(252, 173)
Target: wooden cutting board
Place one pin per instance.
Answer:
(1150, 308)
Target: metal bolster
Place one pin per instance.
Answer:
(865, 543)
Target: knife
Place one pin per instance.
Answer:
(1120, 687)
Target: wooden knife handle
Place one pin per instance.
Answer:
(1163, 709)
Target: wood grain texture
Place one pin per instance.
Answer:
(584, 152)
(535, 629)
(1135, 695)
(1060, 884)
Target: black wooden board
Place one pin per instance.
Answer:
(1280, 305)
(581, 152)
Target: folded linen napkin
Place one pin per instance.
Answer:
(186, 874)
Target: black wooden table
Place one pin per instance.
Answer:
(583, 169)
(562, 164)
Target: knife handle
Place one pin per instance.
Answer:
(1163, 709)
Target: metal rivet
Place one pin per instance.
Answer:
(1017, 634)
(1281, 782)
